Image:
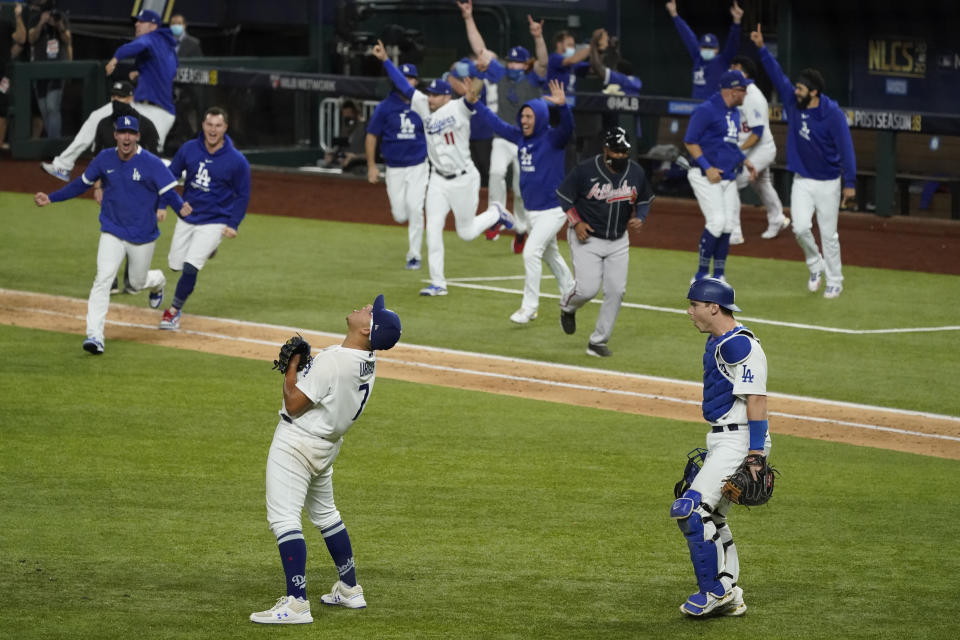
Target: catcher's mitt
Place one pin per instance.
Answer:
(752, 483)
(291, 347)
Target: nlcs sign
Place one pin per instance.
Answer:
(905, 57)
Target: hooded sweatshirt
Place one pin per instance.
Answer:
(541, 154)
(217, 185)
(156, 57)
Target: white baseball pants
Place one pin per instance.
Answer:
(83, 140)
(597, 263)
(541, 246)
(503, 155)
(160, 117)
(300, 475)
(462, 195)
(763, 185)
(109, 258)
(822, 197)
(719, 202)
(407, 189)
(194, 243)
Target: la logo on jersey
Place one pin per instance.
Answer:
(732, 129)
(202, 179)
(136, 176)
(804, 131)
(407, 129)
(526, 159)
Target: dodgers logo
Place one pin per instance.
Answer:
(136, 175)
(408, 130)
(526, 159)
(732, 129)
(300, 581)
(202, 179)
(804, 131)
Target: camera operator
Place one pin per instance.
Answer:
(50, 40)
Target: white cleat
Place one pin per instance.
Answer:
(344, 596)
(814, 282)
(774, 229)
(523, 316)
(702, 604)
(288, 610)
(832, 292)
(736, 237)
(736, 607)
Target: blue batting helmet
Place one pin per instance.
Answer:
(713, 290)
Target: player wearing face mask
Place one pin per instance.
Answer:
(708, 61)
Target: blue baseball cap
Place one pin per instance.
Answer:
(149, 16)
(518, 54)
(440, 88)
(733, 80)
(385, 326)
(127, 123)
(409, 70)
(710, 41)
(464, 68)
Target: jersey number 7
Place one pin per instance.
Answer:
(365, 387)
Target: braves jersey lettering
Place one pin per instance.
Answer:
(608, 193)
(604, 200)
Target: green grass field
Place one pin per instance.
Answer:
(133, 483)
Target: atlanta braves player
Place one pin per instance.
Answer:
(711, 140)
(756, 140)
(820, 154)
(135, 183)
(454, 180)
(541, 150)
(218, 186)
(404, 150)
(320, 403)
(604, 195)
(735, 406)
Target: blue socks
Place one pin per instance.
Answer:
(293, 555)
(708, 244)
(185, 285)
(720, 251)
(338, 544)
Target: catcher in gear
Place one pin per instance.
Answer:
(735, 406)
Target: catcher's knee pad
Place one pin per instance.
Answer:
(697, 526)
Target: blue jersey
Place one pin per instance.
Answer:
(400, 129)
(630, 85)
(706, 73)
(156, 57)
(716, 128)
(567, 75)
(541, 154)
(217, 185)
(819, 145)
(480, 130)
(132, 191)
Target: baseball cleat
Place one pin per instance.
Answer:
(736, 606)
(344, 596)
(598, 350)
(568, 320)
(115, 287)
(433, 290)
(507, 221)
(523, 316)
(493, 232)
(775, 228)
(288, 610)
(59, 174)
(519, 241)
(412, 264)
(170, 320)
(93, 346)
(832, 292)
(155, 299)
(701, 604)
(736, 237)
(814, 282)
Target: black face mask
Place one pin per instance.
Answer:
(804, 102)
(618, 164)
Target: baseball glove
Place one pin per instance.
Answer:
(290, 348)
(752, 483)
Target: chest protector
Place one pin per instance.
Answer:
(717, 378)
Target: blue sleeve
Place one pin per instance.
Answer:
(732, 45)
(94, 171)
(375, 125)
(399, 80)
(72, 190)
(848, 160)
(581, 68)
(554, 65)
(642, 210)
(560, 134)
(172, 199)
(164, 182)
(179, 162)
(625, 81)
(757, 131)
(696, 127)
(131, 49)
(507, 131)
(495, 71)
(688, 36)
(241, 183)
(779, 79)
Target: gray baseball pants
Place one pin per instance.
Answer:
(598, 263)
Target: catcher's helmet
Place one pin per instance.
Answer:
(616, 139)
(713, 290)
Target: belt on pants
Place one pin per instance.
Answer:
(449, 176)
(289, 420)
(720, 428)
